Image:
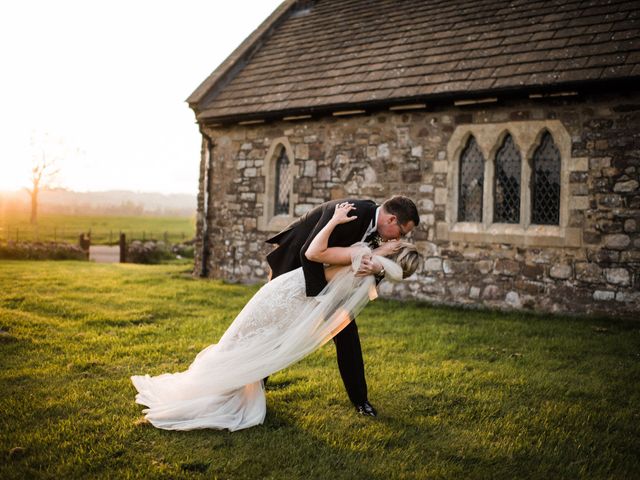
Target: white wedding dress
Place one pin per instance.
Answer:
(223, 388)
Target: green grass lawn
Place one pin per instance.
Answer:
(104, 228)
(461, 394)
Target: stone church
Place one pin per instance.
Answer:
(514, 126)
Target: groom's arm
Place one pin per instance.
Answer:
(314, 278)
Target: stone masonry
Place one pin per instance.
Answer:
(385, 153)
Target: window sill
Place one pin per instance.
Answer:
(531, 236)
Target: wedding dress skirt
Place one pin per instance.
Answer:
(223, 388)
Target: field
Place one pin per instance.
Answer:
(461, 394)
(104, 229)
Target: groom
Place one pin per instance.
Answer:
(395, 218)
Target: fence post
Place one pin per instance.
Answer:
(123, 248)
(55, 235)
(85, 243)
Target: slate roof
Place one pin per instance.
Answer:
(323, 54)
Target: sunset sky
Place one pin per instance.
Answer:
(100, 86)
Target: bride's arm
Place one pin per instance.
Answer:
(319, 251)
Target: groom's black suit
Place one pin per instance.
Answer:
(293, 242)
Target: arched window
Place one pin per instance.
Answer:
(278, 198)
(471, 180)
(506, 186)
(283, 184)
(545, 183)
(526, 198)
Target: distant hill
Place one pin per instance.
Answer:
(111, 202)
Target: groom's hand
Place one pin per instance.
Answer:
(368, 266)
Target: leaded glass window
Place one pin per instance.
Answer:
(545, 183)
(283, 183)
(471, 181)
(506, 191)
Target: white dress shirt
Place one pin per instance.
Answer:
(373, 226)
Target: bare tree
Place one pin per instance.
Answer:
(43, 172)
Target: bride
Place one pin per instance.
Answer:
(280, 325)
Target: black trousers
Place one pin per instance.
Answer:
(350, 363)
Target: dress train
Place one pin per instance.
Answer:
(280, 325)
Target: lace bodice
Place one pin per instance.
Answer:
(272, 310)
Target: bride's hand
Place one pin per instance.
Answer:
(341, 212)
(388, 248)
(368, 266)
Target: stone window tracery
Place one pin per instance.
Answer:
(471, 183)
(518, 189)
(506, 190)
(278, 199)
(283, 184)
(545, 183)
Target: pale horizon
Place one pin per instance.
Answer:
(102, 88)
(15, 191)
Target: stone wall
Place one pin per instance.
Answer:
(591, 264)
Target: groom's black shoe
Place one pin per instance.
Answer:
(366, 409)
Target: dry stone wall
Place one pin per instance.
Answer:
(386, 153)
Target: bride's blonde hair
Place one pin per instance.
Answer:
(408, 258)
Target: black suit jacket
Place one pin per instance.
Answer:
(294, 240)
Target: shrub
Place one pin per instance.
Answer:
(41, 251)
(148, 252)
(183, 250)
